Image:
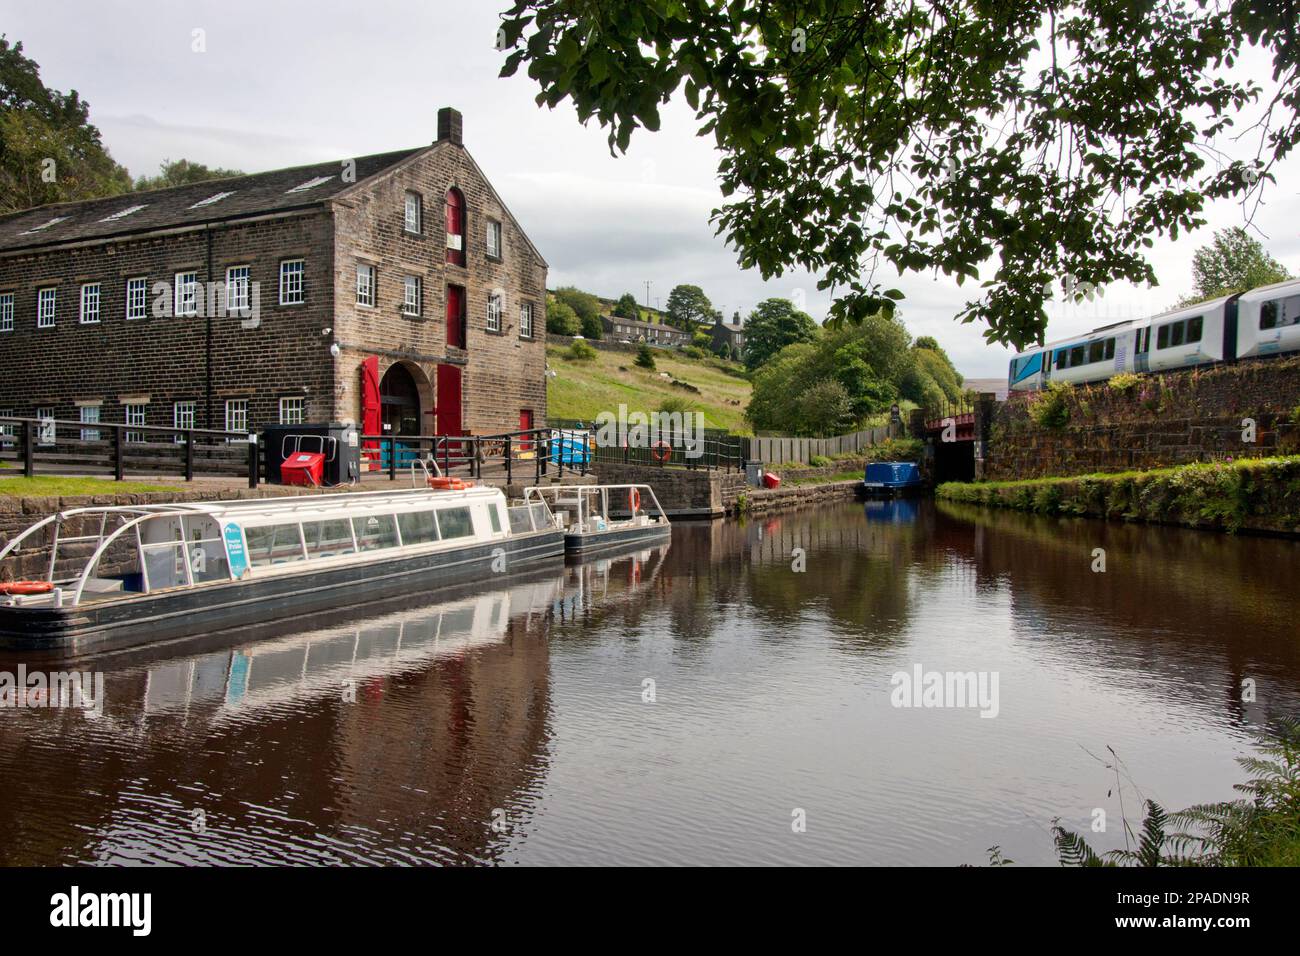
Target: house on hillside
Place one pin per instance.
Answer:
(619, 329)
(732, 337)
(394, 290)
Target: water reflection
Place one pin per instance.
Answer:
(676, 705)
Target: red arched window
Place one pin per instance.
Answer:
(455, 227)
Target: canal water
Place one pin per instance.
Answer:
(731, 698)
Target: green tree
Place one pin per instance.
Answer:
(644, 357)
(182, 172)
(1234, 261)
(626, 307)
(49, 151)
(774, 324)
(1029, 146)
(560, 318)
(688, 306)
(586, 306)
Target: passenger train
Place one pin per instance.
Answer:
(1262, 322)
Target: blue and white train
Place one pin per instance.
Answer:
(1264, 321)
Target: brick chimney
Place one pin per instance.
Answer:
(449, 126)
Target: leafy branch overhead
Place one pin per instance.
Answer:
(1035, 147)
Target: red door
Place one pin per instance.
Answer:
(456, 316)
(448, 410)
(525, 424)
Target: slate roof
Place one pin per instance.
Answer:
(179, 206)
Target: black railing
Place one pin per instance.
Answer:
(54, 446)
(532, 453)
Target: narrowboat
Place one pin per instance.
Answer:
(888, 479)
(180, 569)
(599, 518)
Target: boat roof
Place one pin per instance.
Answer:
(359, 500)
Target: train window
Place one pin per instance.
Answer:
(1110, 349)
(1096, 350)
(1278, 312)
(1076, 355)
(1162, 337)
(1176, 334)
(1194, 328)
(1062, 358)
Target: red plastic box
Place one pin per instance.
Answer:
(770, 480)
(302, 468)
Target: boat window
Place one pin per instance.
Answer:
(455, 523)
(204, 550)
(328, 539)
(164, 565)
(1194, 328)
(520, 522)
(418, 527)
(274, 544)
(375, 532)
(541, 516)
(495, 517)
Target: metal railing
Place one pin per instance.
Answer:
(54, 446)
(711, 450)
(519, 455)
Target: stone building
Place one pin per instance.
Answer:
(394, 290)
(619, 329)
(730, 337)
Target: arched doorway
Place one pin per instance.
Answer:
(399, 401)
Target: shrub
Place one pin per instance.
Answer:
(676, 406)
(1051, 410)
(819, 461)
(644, 357)
(580, 351)
(695, 352)
(1124, 382)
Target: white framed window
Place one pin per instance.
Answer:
(237, 289)
(137, 298)
(90, 303)
(8, 431)
(494, 312)
(6, 311)
(183, 417)
(90, 416)
(414, 218)
(186, 294)
(46, 300)
(293, 410)
(494, 239)
(45, 433)
(365, 285)
(412, 295)
(292, 291)
(135, 415)
(526, 320)
(237, 415)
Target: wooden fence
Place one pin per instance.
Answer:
(777, 449)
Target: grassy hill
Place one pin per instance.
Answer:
(583, 390)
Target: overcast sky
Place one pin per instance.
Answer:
(286, 83)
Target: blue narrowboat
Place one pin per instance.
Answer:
(887, 479)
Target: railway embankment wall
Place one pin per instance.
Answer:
(1247, 409)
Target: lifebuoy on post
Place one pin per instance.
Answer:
(634, 500)
(26, 587)
(661, 451)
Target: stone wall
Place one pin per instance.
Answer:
(759, 501)
(683, 492)
(1164, 419)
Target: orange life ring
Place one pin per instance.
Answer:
(634, 500)
(661, 450)
(448, 484)
(26, 587)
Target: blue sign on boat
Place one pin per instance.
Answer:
(235, 548)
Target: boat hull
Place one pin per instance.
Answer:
(141, 619)
(594, 542)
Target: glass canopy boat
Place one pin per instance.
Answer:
(155, 572)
